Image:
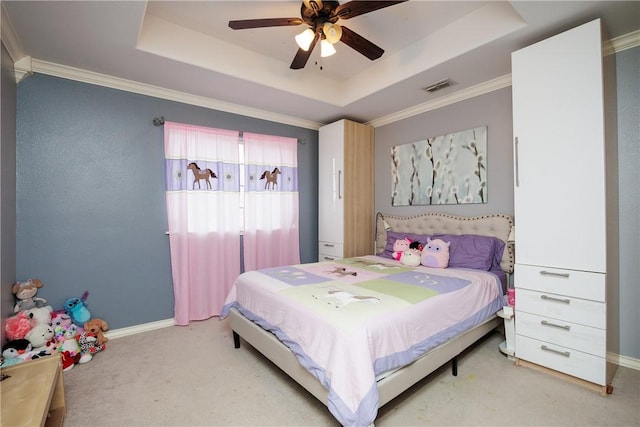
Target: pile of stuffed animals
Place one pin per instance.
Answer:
(36, 330)
(412, 253)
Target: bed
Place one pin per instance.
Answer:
(357, 332)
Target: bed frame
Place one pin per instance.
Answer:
(393, 384)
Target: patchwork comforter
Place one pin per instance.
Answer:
(350, 320)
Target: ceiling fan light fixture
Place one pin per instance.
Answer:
(313, 4)
(326, 48)
(332, 32)
(305, 38)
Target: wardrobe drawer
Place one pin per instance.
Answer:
(328, 257)
(330, 249)
(569, 309)
(582, 365)
(581, 284)
(572, 335)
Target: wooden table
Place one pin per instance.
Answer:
(33, 395)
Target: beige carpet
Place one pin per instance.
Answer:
(192, 376)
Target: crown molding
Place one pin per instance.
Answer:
(25, 65)
(624, 42)
(10, 37)
(461, 95)
(71, 73)
(22, 68)
(610, 47)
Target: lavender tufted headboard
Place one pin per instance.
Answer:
(495, 225)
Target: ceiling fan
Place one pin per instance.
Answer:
(321, 18)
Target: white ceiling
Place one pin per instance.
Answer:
(187, 47)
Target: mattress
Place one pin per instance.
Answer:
(349, 321)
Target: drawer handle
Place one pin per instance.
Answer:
(328, 258)
(555, 325)
(551, 273)
(561, 353)
(328, 245)
(562, 300)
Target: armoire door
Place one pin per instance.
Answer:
(331, 183)
(559, 151)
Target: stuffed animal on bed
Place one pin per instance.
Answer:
(400, 246)
(436, 253)
(410, 257)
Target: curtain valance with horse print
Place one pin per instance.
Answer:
(203, 205)
(271, 230)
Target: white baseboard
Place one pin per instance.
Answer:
(627, 362)
(145, 327)
(624, 361)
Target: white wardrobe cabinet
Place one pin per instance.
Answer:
(564, 273)
(346, 190)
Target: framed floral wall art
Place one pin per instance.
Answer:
(443, 170)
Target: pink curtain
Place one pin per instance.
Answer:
(271, 230)
(203, 209)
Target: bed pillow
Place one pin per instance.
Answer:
(473, 251)
(392, 236)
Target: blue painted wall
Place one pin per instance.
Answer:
(91, 212)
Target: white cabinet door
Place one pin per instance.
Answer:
(331, 183)
(559, 151)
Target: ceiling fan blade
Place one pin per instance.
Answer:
(244, 24)
(356, 8)
(302, 56)
(359, 43)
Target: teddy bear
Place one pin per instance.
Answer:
(68, 346)
(96, 327)
(436, 253)
(25, 293)
(39, 335)
(40, 315)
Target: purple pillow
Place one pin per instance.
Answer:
(392, 236)
(473, 251)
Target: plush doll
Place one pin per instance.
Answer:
(88, 346)
(436, 253)
(19, 349)
(10, 361)
(77, 309)
(39, 335)
(59, 319)
(15, 348)
(18, 326)
(96, 327)
(50, 347)
(40, 315)
(410, 257)
(25, 293)
(68, 346)
(400, 246)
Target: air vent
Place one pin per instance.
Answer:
(440, 85)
